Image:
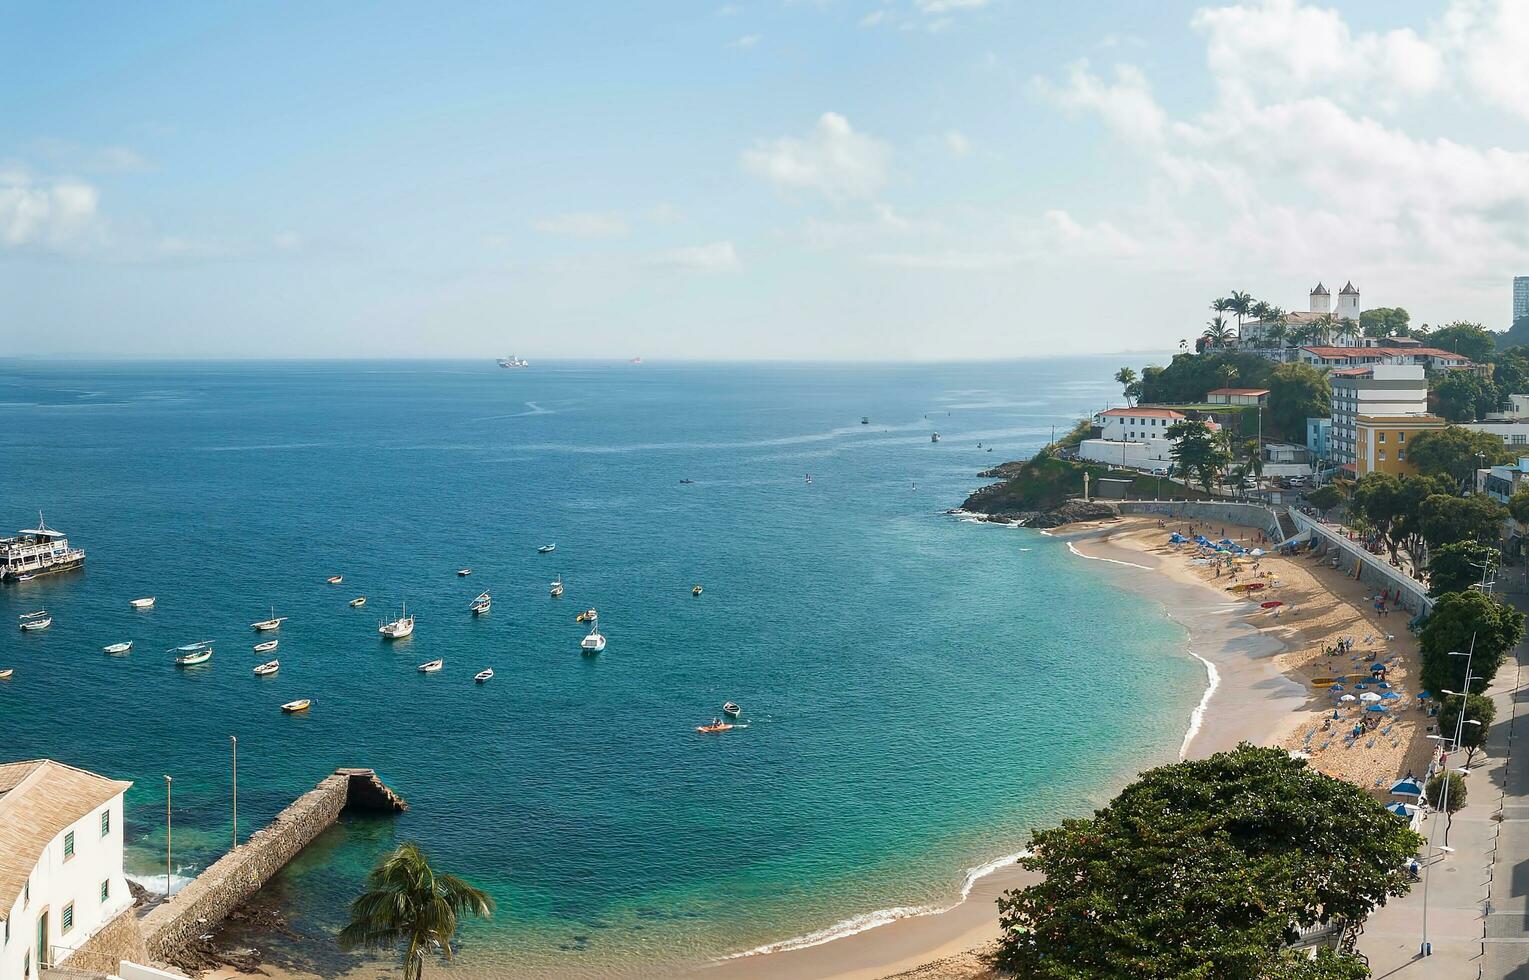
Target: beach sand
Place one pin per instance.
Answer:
(1258, 672)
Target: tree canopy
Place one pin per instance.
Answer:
(1460, 337)
(1198, 453)
(1325, 498)
(1457, 618)
(1188, 377)
(1518, 505)
(1452, 452)
(1464, 396)
(1478, 707)
(1297, 392)
(1384, 321)
(1445, 519)
(1203, 869)
(1392, 505)
(1456, 566)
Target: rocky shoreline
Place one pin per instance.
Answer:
(1072, 512)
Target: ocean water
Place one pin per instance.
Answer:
(918, 691)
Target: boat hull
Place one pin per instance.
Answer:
(70, 564)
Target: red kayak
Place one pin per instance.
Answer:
(1270, 604)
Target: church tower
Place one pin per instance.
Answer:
(1348, 303)
(1320, 298)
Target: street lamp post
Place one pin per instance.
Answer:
(167, 838)
(234, 741)
(1427, 950)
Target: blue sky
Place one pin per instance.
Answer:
(831, 179)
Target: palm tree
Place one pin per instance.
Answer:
(1183, 345)
(1324, 326)
(1242, 304)
(1217, 332)
(406, 903)
(1127, 378)
(1347, 325)
(1277, 329)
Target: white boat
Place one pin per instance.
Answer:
(29, 576)
(117, 649)
(731, 709)
(39, 614)
(6, 673)
(266, 646)
(142, 603)
(268, 668)
(358, 602)
(398, 628)
(556, 589)
(193, 653)
(595, 641)
(293, 707)
(696, 589)
(34, 621)
(37, 551)
(513, 362)
(484, 675)
(464, 572)
(546, 549)
(934, 437)
(431, 667)
(266, 625)
(335, 579)
(481, 604)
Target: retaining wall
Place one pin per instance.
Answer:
(1209, 513)
(1375, 570)
(202, 904)
(114, 942)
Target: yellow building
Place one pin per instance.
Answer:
(1380, 441)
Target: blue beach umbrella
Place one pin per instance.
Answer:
(1406, 787)
(1376, 707)
(1377, 668)
(1424, 695)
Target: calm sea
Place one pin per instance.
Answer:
(918, 691)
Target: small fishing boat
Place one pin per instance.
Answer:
(266, 625)
(731, 709)
(546, 549)
(268, 668)
(193, 653)
(335, 579)
(686, 482)
(293, 707)
(431, 667)
(717, 725)
(695, 590)
(481, 604)
(38, 614)
(267, 645)
(484, 675)
(464, 572)
(6, 674)
(807, 479)
(34, 621)
(595, 641)
(398, 628)
(585, 616)
(117, 649)
(26, 578)
(865, 420)
(556, 589)
(934, 437)
(358, 602)
(147, 603)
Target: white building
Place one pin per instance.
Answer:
(1378, 390)
(1512, 432)
(60, 862)
(1254, 333)
(1134, 437)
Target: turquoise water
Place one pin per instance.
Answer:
(918, 691)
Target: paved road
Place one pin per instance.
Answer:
(1507, 910)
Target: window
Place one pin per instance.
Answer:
(68, 922)
(1382, 454)
(105, 822)
(1382, 437)
(26, 893)
(69, 845)
(1401, 454)
(1401, 437)
(106, 889)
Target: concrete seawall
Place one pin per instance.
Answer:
(1215, 513)
(199, 907)
(1375, 570)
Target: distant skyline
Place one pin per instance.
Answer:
(791, 179)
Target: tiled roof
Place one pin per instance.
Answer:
(1321, 290)
(1384, 352)
(1146, 413)
(38, 801)
(1348, 290)
(1239, 391)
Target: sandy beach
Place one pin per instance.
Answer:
(1260, 668)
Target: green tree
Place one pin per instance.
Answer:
(1463, 396)
(1510, 373)
(1189, 376)
(1518, 505)
(1328, 964)
(1241, 304)
(1467, 339)
(1297, 392)
(1451, 802)
(1445, 518)
(1325, 498)
(1198, 453)
(1383, 322)
(1392, 505)
(1455, 452)
(407, 904)
(1478, 708)
(1126, 378)
(1217, 334)
(1456, 566)
(1203, 869)
(1457, 619)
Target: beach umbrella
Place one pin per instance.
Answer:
(1406, 787)
(1390, 696)
(1369, 696)
(1377, 668)
(1384, 684)
(1347, 697)
(1423, 695)
(1336, 687)
(1377, 707)
(1257, 552)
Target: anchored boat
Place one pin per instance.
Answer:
(147, 603)
(293, 707)
(481, 604)
(268, 668)
(398, 628)
(33, 621)
(267, 645)
(484, 675)
(40, 550)
(266, 625)
(358, 602)
(117, 649)
(595, 641)
(556, 589)
(431, 666)
(546, 549)
(193, 653)
(731, 709)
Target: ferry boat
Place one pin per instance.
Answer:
(513, 362)
(398, 628)
(40, 550)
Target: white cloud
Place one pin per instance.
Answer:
(714, 257)
(1125, 104)
(833, 160)
(746, 41)
(1489, 39)
(54, 215)
(584, 224)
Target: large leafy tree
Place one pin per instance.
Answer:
(1393, 505)
(1446, 791)
(1203, 870)
(1384, 321)
(1455, 452)
(1478, 708)
(1198, 453)
(1445, 518)
(1458, 619)
(1297, 392)
(411, 908)
(1456, 566)
(1463, 396)
(1467, 339)
(1325, 498)
(1189, 377)
(1518, 505)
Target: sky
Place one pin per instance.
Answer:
(772, 179)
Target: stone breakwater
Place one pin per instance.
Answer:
(198, 908)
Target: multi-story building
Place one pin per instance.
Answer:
(1319, 437)
(1133, 437)
(1520, 297)
(1382, 441)
(1428, 358)
(1377, 390)
(1512, 432)
(1500, 482)
(60, 863)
